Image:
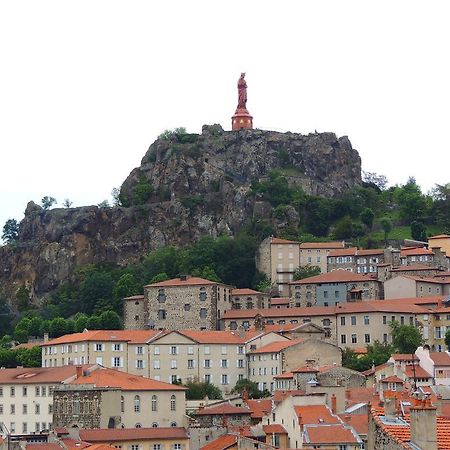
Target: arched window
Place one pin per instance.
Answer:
(122, 404)
(137, 403)
(154, 403)
(173, 403)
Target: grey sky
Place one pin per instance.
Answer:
(86, 86)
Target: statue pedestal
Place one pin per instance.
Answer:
(242, 120)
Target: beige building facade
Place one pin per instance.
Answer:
(316, 253)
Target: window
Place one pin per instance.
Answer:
(139, 364)
(176, 446)
(161, 314)
(155, 425)
(98, 347)
(224, 363)
(156, 364)
(366, 320)
(224, 378)
(208, 378)
(12, 409)
(207, 350)
(342, 320)
(240, 363)
(161, 296)
(224, 350)
(173, 403)
(122, 403)
(354, 339)
(137, 403)
(343, 339)
(336, 294)
(190, 364)
(385, 338)
(135, 447)
(117, 347)
(24, 427)
(139, 350)
(240, 350)
(154, 403)
(325, 294)
(173, 364)
(202, 294)
(207, 364)
(1, 408)
(203, 313)
(367, 338)
(384, 320)
(156, 446)
(174, 350)
(353, 320)
(116, 361)
(13, 391)
(187, 307)
(24, 408)
(138, 425)
(37, 408)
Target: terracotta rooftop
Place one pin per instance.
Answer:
(279, 312)
(414, 251)
(275, 347)
(104, 377)
(343, 252)
(315, 414)
(131, 336)
(177, 282)
(34, 375)
(43, 446)
(222, 409)
(375, 369)
(29, 345)
(129, 434)
(284, 376)
(275, 240)
(440, 358)
(244, 291)
(329, 434)
(305, 369)
(413, 267)
(221, 443)
(280, 301)
(419, 371)
(275, 428)
(392, 379)
(358, 421)
(404, 357)
(259, 407)
(439, 236)
(221, 337)
(336, 276)
(279, 396)
(320, 245)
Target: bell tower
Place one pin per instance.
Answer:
(242, 120)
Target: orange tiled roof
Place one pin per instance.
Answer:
(275, 240)
(305, 369)
(279, 396)
(336, 276)
(43, 446)
(392, 379)
(420, 372)
(74, 444)
(439, 236)
(222, 409)
(344, 252)
(358, 421)
(127, 434)
(221, 443)
(321, 245)
(29, 345)
(414, 251)
(371, 251)
(315, 414)
(280, 301)
(275, 428)
(329, 434)
(375, 369)
(275, 347)
(259, 407)
(284, 376)
(34, 375)
(131, 336)
(412, 267)
(244, 291)
(220, 337)
(440, 358)
(404, 357)
(104, 377)
(177, 282)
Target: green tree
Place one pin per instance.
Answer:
(94, 323)
(58, 327)
(67, 203)
(344, 228)
(367, 217)
(405, 338)
(81, 321)
(306, 272)
(47, 202)
(160, 277)
(110, 320)
(380, 181)
(386, 225)
(21, 330)
(441, 205)
(97, 286)
(31, 357)
(10, 231)
(142, 192)
(23, 298)
(251, 387)
(418, 231)
(198, 390)
(34, 327)
(125, 286)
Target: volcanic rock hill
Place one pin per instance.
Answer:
(187, 186)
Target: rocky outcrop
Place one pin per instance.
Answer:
(187, 186)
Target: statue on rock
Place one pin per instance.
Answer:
(242, 120)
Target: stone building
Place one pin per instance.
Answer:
(181, 303)
(358, 261)
(316, 253)
(248, 299)
(106, 398)
(330, 289)
(223, 415)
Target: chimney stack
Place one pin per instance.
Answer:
(45, 337)
(390, 405)
(333, 403)
(423, 425)
(79, 372)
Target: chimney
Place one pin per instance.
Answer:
(45, 337)
(183, 277)
(333, 403)
(79, 372)
(439, 405)
(423, 425)
(390, 405)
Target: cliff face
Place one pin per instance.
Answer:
(199, 184)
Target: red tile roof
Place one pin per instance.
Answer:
(279, 396)
(344, 252)
(413, 267)
(305, 369)
(284, 376)
(336, 276)
(369, 252)
(279, 312)
(414, 251)
(329, 434)
(43, 446)
(321, 245)
(439, 236)
(275, 347)
(129, 434)
(358, 421)
(221, 337)
(221, 443)
(35, 375)
(131, 336)
(244, 291)
(104, 377)
(315, 414)
(392, 379)
(275, 428)
(259, 407)
(282, 241)
(419, 372)
(222, 409)
(280, 301)
(177, 282)
(375, 369)
(440, 358)
(404, 357)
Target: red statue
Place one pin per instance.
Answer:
(242, 89)
(242, 118)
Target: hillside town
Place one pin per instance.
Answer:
(274, 359)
